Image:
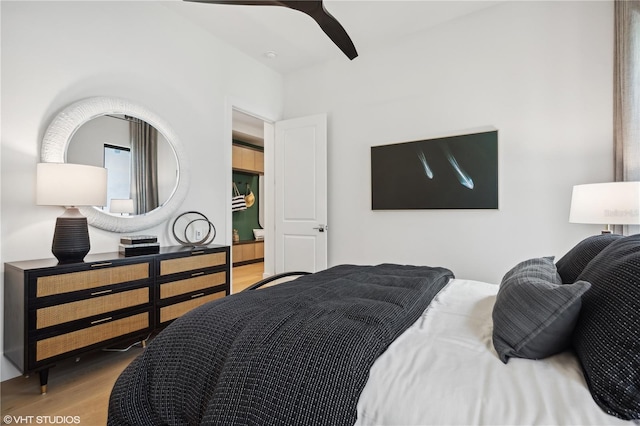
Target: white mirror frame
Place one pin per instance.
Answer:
(66, 123)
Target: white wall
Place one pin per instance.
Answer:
(540, 72)
(55, 53)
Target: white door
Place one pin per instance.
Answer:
(301, 194)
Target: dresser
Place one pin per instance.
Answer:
(55, 311)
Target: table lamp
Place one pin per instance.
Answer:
(71, 185)
(121, 205)
(612, 203)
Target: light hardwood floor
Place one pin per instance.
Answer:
(246, 275)
(75, 389)
(82, 388)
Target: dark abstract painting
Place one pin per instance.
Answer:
(456, 172)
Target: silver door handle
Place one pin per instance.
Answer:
(320, 227)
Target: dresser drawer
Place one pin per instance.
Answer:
(75, 281)
(176, 310)
(66, 312)
(48, 348)
(200, 282)
(190, 263)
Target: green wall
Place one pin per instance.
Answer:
(246, 221)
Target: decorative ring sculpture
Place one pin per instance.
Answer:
(191, 221)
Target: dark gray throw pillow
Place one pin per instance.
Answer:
(534, 314)
(571, 264)
(607, 336)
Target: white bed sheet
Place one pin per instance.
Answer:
(444, 371)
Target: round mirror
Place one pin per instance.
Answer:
(147, 179)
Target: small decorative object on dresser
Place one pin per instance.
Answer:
(139, 249)
(194, 228)
(54, 311)
(138, 239)
(136, 245)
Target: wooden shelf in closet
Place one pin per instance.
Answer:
(247, 159)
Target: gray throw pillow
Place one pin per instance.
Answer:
(571, 264)
(534, 314)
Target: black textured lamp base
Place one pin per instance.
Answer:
(71, 238)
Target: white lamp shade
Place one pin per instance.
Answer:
(66, 184)
(120, 205)
(614, 203)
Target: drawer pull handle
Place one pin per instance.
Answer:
(97, 265)
(101, 320)
(95, 293)
(195, 274)
(193, 253)
(197, 295)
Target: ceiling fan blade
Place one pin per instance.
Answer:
(242, 2)
(315, 9)
(336, 33)
(329, 24)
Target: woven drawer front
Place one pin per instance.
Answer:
(66, 312)
(74, 281)
(188, 285)
(182, 264)
(176, 310)
(57, 345)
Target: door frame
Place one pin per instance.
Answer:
(232, 103)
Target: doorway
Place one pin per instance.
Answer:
(292, 200)
(248, 218)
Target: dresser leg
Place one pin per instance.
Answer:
(44, 378)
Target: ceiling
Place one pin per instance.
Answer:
(247, 128)
(299, 42)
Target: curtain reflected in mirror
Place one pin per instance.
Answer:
(144, 166)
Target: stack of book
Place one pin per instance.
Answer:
(136, 245)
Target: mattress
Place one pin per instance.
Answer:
(444, 370)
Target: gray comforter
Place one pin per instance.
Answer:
(294, 354)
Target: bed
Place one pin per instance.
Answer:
(553, 343)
